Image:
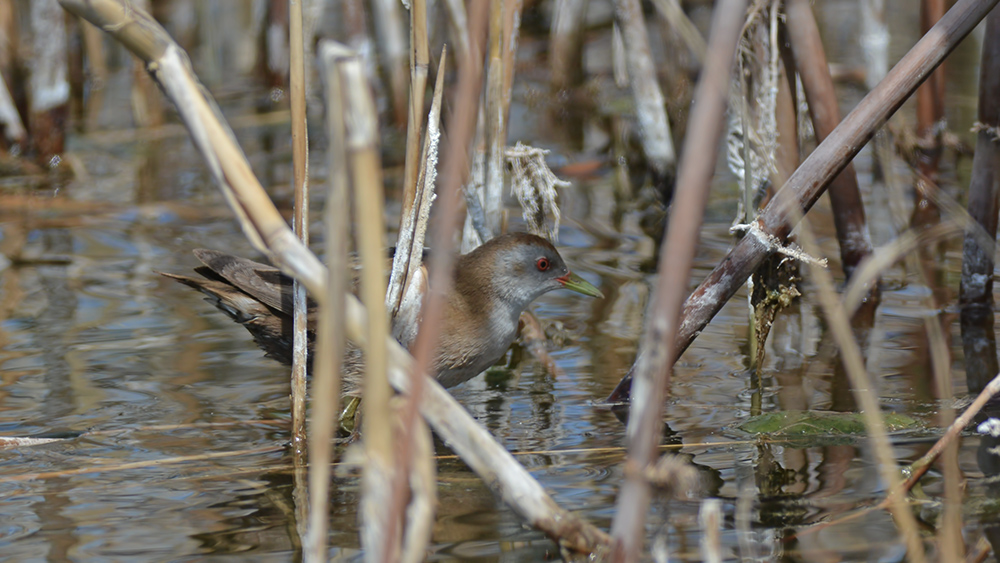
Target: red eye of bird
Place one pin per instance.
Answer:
(542, 264)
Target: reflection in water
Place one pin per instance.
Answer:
(98, 345)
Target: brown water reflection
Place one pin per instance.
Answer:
(96, 346)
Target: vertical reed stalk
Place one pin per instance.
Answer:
(930, 113)
(416, 463)
(512, 30)
(984, 187)
(845, 198)
(653, 368)
(566, 44)
(381, 528)
(13, 129)
(496, 130)
(330, 333)
(651, 113)
(419, 62)
(93, 41)
(300, 221)
(389, 28)
(49, 86)
(863, 387)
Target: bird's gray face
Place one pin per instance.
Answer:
(532, 270)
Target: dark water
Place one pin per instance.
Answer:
(140, 374)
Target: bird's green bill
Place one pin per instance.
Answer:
(575, 283)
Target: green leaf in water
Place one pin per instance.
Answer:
(799, 424)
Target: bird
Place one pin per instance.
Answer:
(492, 285)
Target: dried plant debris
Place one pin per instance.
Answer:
(534, 184)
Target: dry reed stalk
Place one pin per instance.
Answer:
(10, 119)
(819, 168)
(672, 12)
(300, 224)
(930, 116)
(391, 39)
(354, 27)
(493, 119)
(651, 113)
(569, 18)
(147, 111)
(512, 30)
(49, 86)
(419, 62)
(710, 519)
(274, 57)
(416, 466)
(263, 224)
(653, 368)
(458, 28)
(380, 527)
(300, 220)
(863, 388)
(330, 332)
(845, 198)
(984, 187)
(868, 271)
(920, 467)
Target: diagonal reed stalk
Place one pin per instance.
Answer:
(808, 182)
(266, 229)
(659, 352)
(863, 387)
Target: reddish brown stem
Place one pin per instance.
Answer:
(845, 198)
(930, 112)
(658, 340)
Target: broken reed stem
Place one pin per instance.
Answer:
(845, 197)
(863, 388)
(263, 224)
(380, 528)
(407, 279)
(650, 109)
(300, 181)
(330, 332)
(819, 168)
(653, 368)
